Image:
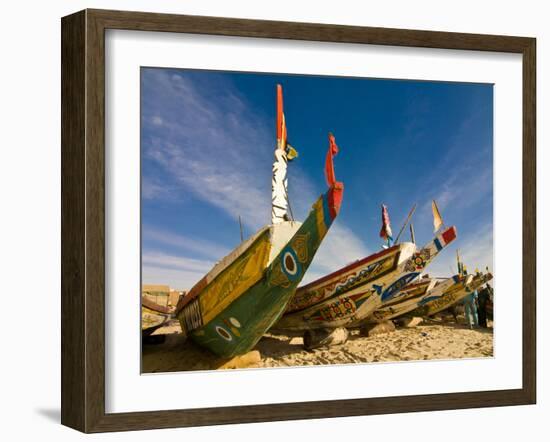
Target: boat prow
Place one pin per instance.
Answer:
(231, 312)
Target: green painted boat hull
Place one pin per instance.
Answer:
(238, 328)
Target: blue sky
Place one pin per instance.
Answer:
(207, 141)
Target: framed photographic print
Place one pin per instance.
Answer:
(268, 220)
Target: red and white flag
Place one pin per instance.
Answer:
(385, 231)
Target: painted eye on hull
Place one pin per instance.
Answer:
(223, 333)
(290, 263)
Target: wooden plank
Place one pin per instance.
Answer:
(73, 251)
(145, 21)
(529, 222)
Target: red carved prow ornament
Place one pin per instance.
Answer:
(336, 188)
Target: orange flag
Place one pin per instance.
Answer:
(281, 124)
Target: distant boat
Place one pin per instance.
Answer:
(409, 294)
(153, 316)
(403, 263)
(432, 305)
(415, 295)
(243, 295)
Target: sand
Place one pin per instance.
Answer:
(426, 341)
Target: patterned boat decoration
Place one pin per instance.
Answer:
(352, 307)
(352, 276)
(233, 305)
(411, 293)
(432, 305)
(413, 298)
(228, 313)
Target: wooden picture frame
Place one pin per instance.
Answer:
(83, 220)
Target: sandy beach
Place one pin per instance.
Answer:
(442, 339)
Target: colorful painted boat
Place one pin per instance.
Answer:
(353, 306)
(432, 305)
(416, 295)
(153, 316)
(350, 277)
(411, 293)
(233, 305)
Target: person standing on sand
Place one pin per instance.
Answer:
(482, 299)
(470, 311)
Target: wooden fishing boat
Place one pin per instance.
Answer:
(435, 304)
(409, 294)
(415, 297)
(235, 303)
(350, 277)
(153, 315)
(414, 290)
(353, 306)
(356, 274)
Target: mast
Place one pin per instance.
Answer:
(279, 182)
(241, 228)
(412, 233)
(411, 212)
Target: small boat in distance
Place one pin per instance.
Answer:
(243, 295)
(435, 304)
(153, 316)
(414, 295)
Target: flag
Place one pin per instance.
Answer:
(329, 163)
(385, 231)
(438, 221)
(282, 134)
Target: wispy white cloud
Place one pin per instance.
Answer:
(460, 193)
(178, 272)
(212, 147)
(160, 259)
(175, 278)
(221, 152)
(153, 188)
(340, 247)
(201, 247)
(156, 120)
(477, 250)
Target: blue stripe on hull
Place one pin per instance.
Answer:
(326, 211)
